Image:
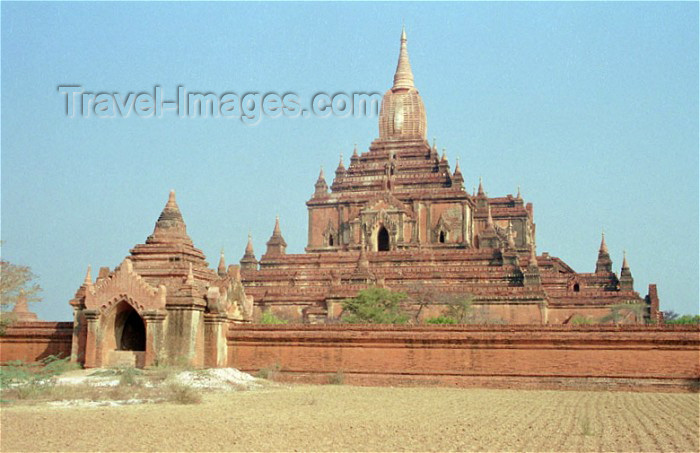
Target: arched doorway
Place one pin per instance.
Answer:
(382, 240)
(442, 237)
(129, 330)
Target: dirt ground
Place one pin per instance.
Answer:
(346, 418)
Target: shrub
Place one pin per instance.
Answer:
(270, 372)
(441, 320)
(684, 319)
(128, 376)
(581, 320)
(337, 378)
(269, 318)
(32, 380)
(183, 394)
(375, 306)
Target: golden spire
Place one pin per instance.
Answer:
(404, 76)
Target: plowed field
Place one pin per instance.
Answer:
(363, 418)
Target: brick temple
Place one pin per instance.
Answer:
(396, 217)
(399, 217)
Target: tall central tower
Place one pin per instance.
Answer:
(400, 194)
(402, 114)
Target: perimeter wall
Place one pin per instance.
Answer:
(625, 357)
(578, 357)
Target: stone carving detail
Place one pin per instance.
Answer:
(124, 284)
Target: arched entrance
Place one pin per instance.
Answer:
(129, 330)
(382, 240)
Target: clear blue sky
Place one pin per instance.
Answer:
(592, 108)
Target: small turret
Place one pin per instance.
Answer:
(20, 312)
(340, 171)
(626, 280)
(355, 157)
(276, 245)
(249, 262)
(604, 263)
(190, 276)
(88, 276)
(531, 276)
(221, 269)
(510, 237)
(480, 191)
(321, 188)
(457, 178)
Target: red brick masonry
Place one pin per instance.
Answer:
(628, 357)
(33, 341)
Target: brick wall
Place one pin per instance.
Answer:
(33, 341)
(634, 357)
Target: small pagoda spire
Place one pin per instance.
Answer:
(221, 270)
(510, 238)
(533, 257)
(518, 196)
(481, 187)
(626, 280)
(354, 152)
(276, 245)
(20, 312)
(341, 165)
(457, 178)
(604, 264)
(190, 276)
(249, 262)
(170, 226)
(603, 245)
(434, 144)
(321, 187)
(88, 276)
(489, 219)
(403, 78)
(531, 276)
(172, 204)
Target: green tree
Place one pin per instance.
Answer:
(624, 311)
(270, 318)
(16, 280)
(684, 319)
(460, 308)
(375, 306)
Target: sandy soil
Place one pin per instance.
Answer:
(349, 418)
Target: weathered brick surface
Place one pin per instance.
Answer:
(33, 341)
(524, 356)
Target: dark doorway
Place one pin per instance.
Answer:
(330, 240)
(382, 240)
(131, 333)
(442, 237)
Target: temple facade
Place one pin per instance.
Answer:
(399, 217)
(161, 305)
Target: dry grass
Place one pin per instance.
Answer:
(349, 418)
